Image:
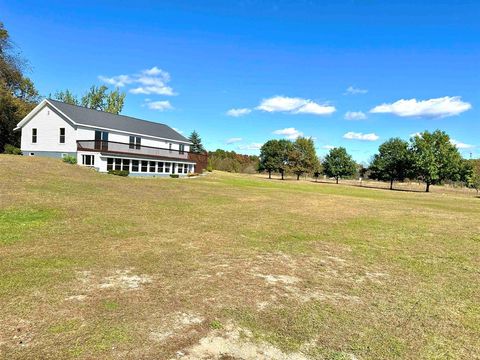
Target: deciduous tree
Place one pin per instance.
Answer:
(393, 161)
(338, 163)
(270, 157)
(302, 157)
(435, 158)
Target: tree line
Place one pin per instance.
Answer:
(429, 157)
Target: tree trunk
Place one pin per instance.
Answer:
(391, 184)
(298, 177)
(269, 174)
(337, 179)
(427, 189)
(281, 172)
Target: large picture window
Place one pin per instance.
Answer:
(180, 168)
(34, 136)
(126, 164)
(167, 167)
(144, 166)
(109, 164)
(62, 136)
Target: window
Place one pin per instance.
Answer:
(118, 164)
(101, 140)
(89, 160)
(152, 166)
(134, 142)
(180, 168)
(126, 164)
(64, 155)
(32, 154)
(62, 135)
(144, 166)
(185, 169)
(109, 164)
(135, 165)
(181, 149)
(34, 136)
(170, 147)
(160, 167)
(167, 167)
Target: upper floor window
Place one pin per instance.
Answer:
(62, 135)
(34, 136)
(135, 142)
(170, 147)
(181, 149)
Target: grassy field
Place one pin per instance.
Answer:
(232, 267)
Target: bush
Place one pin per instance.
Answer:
(118, 172)
(13, 150)
(70, 159)
(209, 168)
(175, 176)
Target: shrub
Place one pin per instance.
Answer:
(13, 150)
(70, 159)
(175, 176)
(209, 168)
(118, 172)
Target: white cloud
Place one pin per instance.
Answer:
(328, 147)
(415, 134)
(118, 81)
(354, 91)
(289, 133)
(294, 106)
(233, 140)
(160, 105)
(252, 146)
(149, 81)
(439, 107)
(355, 115)
(238, 112)
(360, 136)
(461, 145)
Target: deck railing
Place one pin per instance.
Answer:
(119, 148)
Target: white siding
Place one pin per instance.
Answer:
(48, 125)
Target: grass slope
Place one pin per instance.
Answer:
(98, 266)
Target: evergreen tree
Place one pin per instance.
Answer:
(196, 146)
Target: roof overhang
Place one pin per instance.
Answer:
(37, 109)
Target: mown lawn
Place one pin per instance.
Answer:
(232, 267)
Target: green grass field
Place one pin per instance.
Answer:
(232, 267)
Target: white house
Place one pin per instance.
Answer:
(106, 141)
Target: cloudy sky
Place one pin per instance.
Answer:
(347, 73)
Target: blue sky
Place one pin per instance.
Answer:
(285, 67)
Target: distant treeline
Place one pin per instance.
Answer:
(232, 162)
(429, 157)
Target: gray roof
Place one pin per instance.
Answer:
(101, 119)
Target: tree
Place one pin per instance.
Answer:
(67, 97)
(270, 158)
(435, 158)
(393, 161)
(317, 169)
(197, 146)
(338, 163)
(302, 156)
(18, 95)
(471, 174)
(285, 148)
